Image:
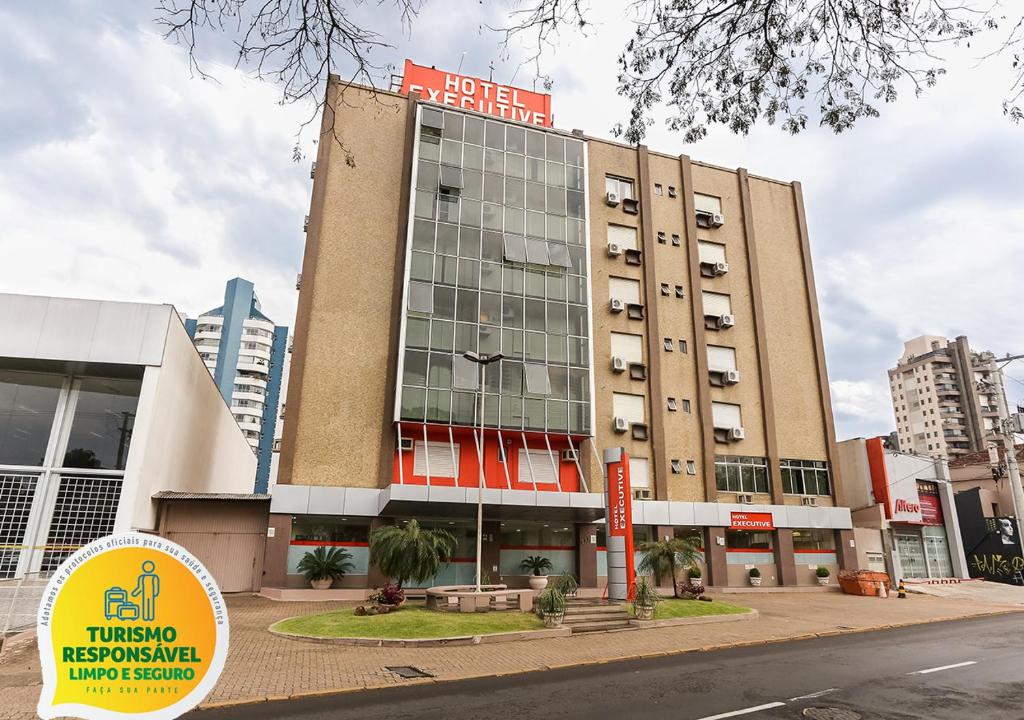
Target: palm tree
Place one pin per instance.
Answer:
(662, 557)
(410, 553)
(325, 563)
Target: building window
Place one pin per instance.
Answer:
(628, 347)
(620, 186)
(639, 473)
(628, 406)
(677, 466)
(536, 466)
(28, 406)
(805, 477)
(682, 346)
(624, 289)
(672, 405)
(438, 459)
(686, 406)
(707, 203)
(726, 415)
(814, 539)
(657, 189)
(624, 237)
(744, 540)
(711, 253)
(671, 191)
(668, 344)
(691, 466)
(741, 474)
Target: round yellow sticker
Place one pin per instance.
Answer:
(130, 625)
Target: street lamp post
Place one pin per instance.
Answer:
(483, 360)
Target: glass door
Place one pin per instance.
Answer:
(936, 551)
(911, 552)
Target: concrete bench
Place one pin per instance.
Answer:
(471, 601)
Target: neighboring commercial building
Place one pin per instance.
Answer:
(245, 352)
(904, 513)
(986, 471)
(640, 299)
(105, 407)
(948, 399)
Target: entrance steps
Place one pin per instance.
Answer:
(585, 615)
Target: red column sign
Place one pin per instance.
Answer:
(619, 521)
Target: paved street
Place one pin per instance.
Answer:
(967, 668)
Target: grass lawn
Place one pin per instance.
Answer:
(677, 608)
(409, 622)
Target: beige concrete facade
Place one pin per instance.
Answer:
(345, 316)
(340, 429)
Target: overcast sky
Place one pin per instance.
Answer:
(122, 177)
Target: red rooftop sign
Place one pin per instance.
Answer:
(469, 93)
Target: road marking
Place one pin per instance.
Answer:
(744, 711)
(813, 695)
(943, 667)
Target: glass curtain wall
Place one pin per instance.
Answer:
(497, 263)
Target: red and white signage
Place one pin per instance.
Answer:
(751, 521)
(619, 522)
(470, 93)
(897, 494)
(931, 506)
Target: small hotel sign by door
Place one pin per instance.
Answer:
(751, 521)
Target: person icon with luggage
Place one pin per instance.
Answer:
(147, 588)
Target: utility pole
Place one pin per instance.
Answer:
(1008, 426)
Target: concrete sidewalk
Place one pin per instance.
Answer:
(263, 667)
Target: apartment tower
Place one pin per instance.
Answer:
(245, 352)
(948, 400)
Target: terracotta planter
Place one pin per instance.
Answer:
(644, 612)
(538, 582)
(322, 584)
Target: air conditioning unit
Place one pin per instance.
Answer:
(736, 433)
(745, 498)
(614, 249)
(619, 364)
(717, 220)
(621, 424)
(809, 501)
(719, 268)
(611, 199)
(726, 320)
(570, 455)
(617, 305)
(643, 494)
(405, 444)
(730, 377)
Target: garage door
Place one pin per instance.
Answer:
(231, 558)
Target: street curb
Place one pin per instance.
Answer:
(450, 641)
(224, 704)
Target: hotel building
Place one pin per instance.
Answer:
(641, 300)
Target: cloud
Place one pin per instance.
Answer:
(125, 177)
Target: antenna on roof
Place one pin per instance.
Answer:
(490, 77)
(461, 60)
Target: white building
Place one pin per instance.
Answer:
(103, 406)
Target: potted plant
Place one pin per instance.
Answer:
(537, 566)
(755, 577)
(410, 552)
(822, 572)
(695, 575)
(390, 596)
(662, 557)
(551, 606)
(324, 565)
(645, 599)
(567, 585)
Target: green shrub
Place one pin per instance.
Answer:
(323, 563)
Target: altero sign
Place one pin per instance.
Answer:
(469, 93)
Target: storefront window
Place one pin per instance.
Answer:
(28, 404)
(101, 430)
(553, 541)
(309, 528)
(743, 540)
(814, 539)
